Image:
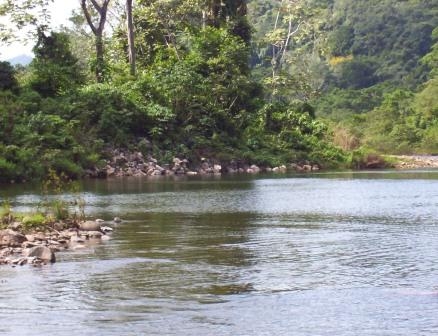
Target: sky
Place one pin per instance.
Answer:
(60, 9)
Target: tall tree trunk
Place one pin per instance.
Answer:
(131, 45)
(97, 30)
(100, 59)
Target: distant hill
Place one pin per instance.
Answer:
(20, 59)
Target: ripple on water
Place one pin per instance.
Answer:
(313, 256)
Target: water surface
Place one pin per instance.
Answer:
(327, 254)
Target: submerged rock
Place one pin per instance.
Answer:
(43, 253)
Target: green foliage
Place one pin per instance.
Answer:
(7, 77)
(5, 212)
(54, 69)
(393, 35)
(363, 158)
(34, 221)
(357, 73)
(204, 88)
(290, 133)
(114, 114)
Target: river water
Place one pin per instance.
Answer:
(327, 254)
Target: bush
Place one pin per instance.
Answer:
(33, 221)
(7, 78)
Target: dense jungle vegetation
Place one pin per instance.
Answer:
(263, 81)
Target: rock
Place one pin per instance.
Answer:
(5, 252)
(14, 226)
(94, 234)
(255, 169)
(120, 160)
(59, 226)
(69, 233)
(30, 237)
(43, 253)
(19, 261)
(117, 220)
(89, 226)
(28, 244)
(40, 236)
(217, 169)
(76, 239)
(110, 171)
(11, 238)
(105, 229)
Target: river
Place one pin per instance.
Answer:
(325, 254)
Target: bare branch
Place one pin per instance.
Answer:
(96, 6)
(88, 16)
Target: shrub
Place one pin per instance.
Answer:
(34, 221)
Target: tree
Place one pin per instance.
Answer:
(97, 29)
(7, 77)
(131, 39)
(54, 68)
(20, 14)
(231, 13)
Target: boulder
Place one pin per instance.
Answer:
(11, 238)
(94, 234)
(217, 169)
(14, 226)
(110, 171)
(106, 229)
(255, 169)
(89, 226)
(30, 237)
(43, 253)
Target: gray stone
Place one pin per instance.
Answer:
(106, 229)
(94, 234)
(43, 253)
(12, 238)
(89, 226)
(217, 169)
(30, 237)
(14, 226)
(76, 239)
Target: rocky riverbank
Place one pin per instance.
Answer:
(125, 163)
(415, 161)
(39, 246)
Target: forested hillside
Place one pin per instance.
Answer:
(369, 67)
(266, 82)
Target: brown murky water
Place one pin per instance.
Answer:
(331, 254)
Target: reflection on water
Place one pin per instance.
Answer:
(321, 255)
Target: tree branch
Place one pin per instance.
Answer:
(97, 6)
(88, 16)
(103, 12)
